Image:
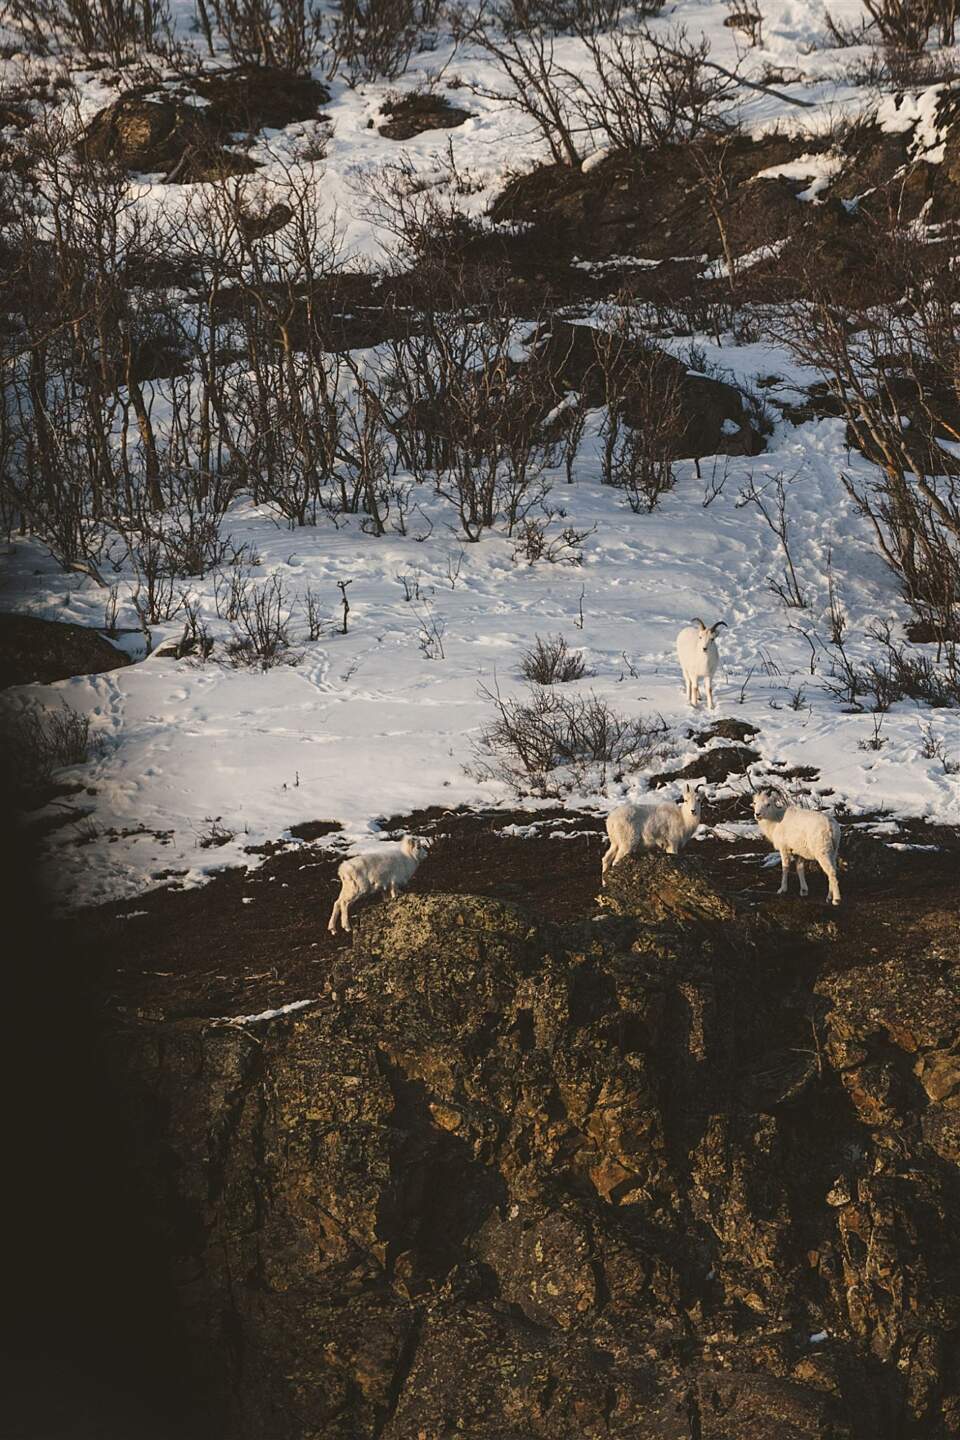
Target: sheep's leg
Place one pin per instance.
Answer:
(695, 699)
(335, 914)
(803, 879)
(829, 868)
(785, 866)
(615, 854)
(708, 686)
(607, 861)
(394, 892)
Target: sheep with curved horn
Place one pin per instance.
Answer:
(699, 657)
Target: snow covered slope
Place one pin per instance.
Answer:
(378, 721)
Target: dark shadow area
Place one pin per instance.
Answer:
(91, 1346)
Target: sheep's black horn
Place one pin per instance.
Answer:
(718, 624)
(697, 621)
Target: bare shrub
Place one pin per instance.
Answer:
(374, 38)
(215, 835)
(537, 83)
(632, 464)
(934, 747)
(891, 357)
(195, 642)
(549, 741)
(261, 639)
(644, 413)
(119, 29)
(156, 597)
(648, 91)
(317, 621)
(551, 662)
(898, 673)
(580, 16)
(41, 741)
(876, 741)
(746, 17)
(535, 541)
(286, 34)
(425, 216)
(641, 90)
(363, 470)
(770, 499)
(230, 591)
(272, 422)
(906, 24)
(904, 673)
(464, 414)
(430, 635)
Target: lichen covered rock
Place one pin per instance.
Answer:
(640, 1175)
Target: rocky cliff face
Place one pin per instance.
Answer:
(643, 1175)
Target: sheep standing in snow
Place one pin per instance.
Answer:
(651, 827)
(801, 835)
(387, 868)
(699, 658)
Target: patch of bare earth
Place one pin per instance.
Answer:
(257, 939)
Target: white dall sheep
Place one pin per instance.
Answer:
(699, 658)
(387, 868)
(651, 827)
(801, 835)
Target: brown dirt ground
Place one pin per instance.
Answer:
(257, 939)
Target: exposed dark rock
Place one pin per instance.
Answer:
(258, 227)
(418, 112)
(251, 97)
(726, 729)
(39, 651)
(161, 128)
(713, 765)
(163, 135)
(314, 829)
(642, 1175)
(715, 421)
(655, 204)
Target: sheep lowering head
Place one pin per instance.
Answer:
(801, 835)
(651, 827)
(699, 658)
(387, 868)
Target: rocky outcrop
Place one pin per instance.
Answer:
(713, 418)
(35, 651)
(162, 135)
(419, 112)
(643, 1174)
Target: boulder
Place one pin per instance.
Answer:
(714, 420)
(161, 134)
(417, 113)
(34, 651)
